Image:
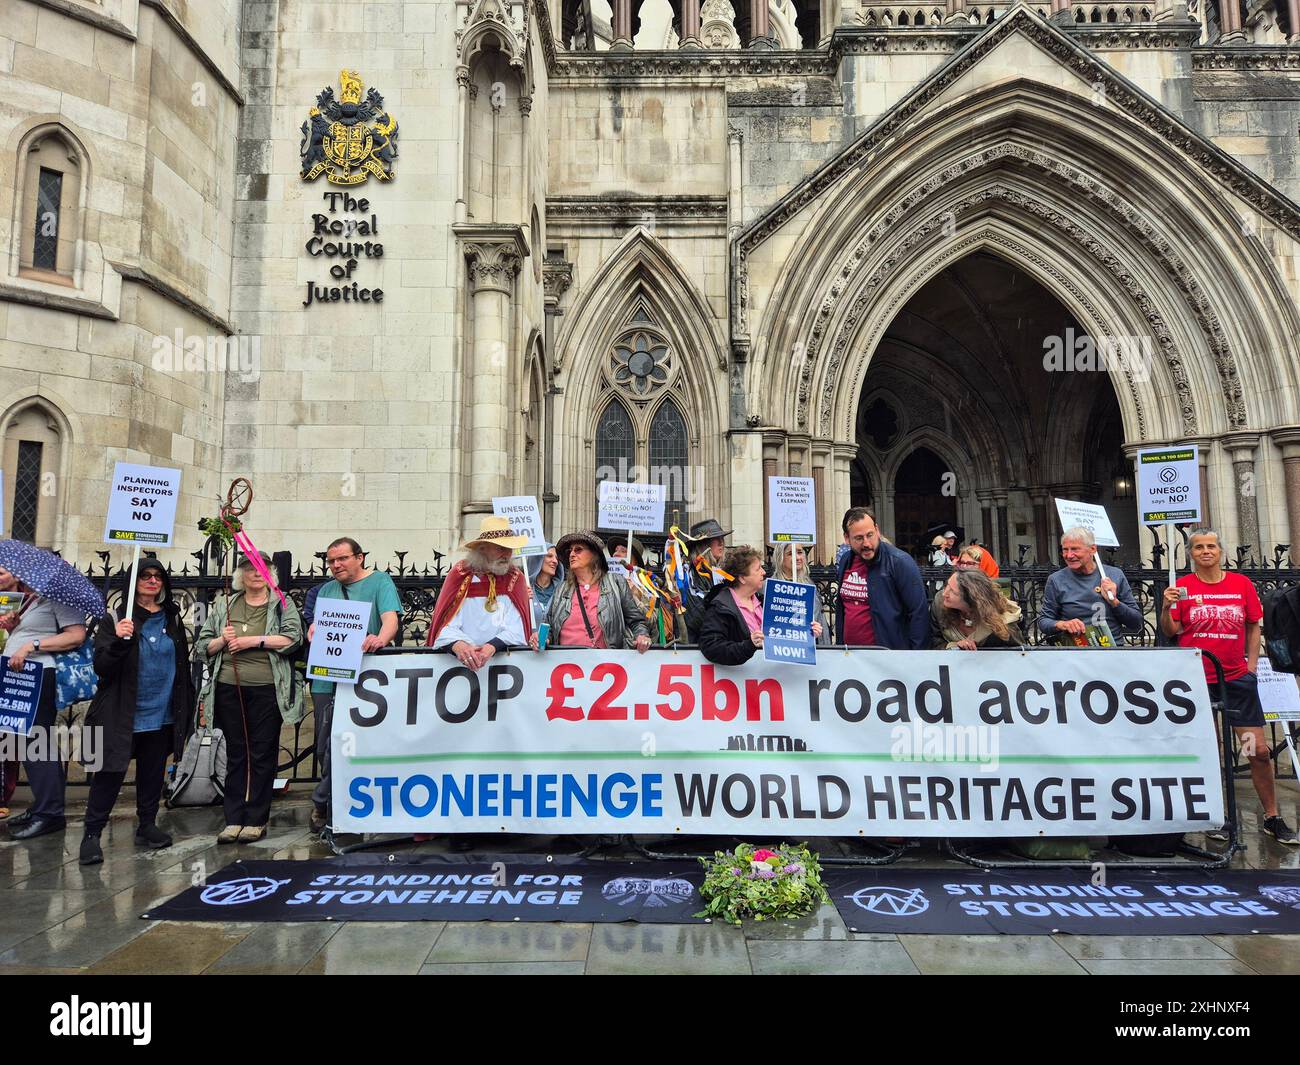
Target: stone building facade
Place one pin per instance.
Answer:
(952, 260)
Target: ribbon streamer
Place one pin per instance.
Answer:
(250, 552)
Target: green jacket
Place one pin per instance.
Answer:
(280, 621)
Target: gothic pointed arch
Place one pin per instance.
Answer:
(641, 332)
(1139, 218)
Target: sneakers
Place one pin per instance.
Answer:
(229, 834)
(152, 836)
(91, 852)
(251, 833)
(1280, 831)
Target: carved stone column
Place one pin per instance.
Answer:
(690, 24)
(956, 13)
(493, 257)
(1230, 31)
(760, 31)
(1003, 548)
(622, 41)
(1041, 499)
(986, 521)
(1288, 439)
(557, 276)
(1241, 450)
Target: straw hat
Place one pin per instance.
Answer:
(494, 530)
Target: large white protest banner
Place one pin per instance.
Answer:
(930, 743)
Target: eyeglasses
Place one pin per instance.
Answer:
(340, 558)
(967, 563)
(151, 577)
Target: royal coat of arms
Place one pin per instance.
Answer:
(347, 140)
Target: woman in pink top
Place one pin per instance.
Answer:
(591, 607)
(732, 629)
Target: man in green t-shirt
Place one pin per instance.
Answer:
(352, 581)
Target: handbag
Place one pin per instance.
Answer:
(75, 679)
(199, 778)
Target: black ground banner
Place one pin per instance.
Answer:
(513, 888)
(1105, 901)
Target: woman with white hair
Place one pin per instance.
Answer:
(785, 559)
(248, 641)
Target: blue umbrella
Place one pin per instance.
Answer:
(51, 577)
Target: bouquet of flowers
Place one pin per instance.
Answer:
(762, 883)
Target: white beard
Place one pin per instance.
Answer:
(479, 563)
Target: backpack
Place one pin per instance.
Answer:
(200, 775)
(1282, 629)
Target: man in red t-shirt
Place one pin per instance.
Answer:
(1220, 612)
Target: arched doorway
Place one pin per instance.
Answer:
(988, 399)
(920, 501)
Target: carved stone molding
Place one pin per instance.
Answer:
(1081, 184)
(557, 276)
(493, 255)
(1245, 58)
(622, 208)
(1146, 111)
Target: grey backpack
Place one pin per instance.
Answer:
(200, 778)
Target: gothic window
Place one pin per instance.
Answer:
(642, 433)
(46, 248)
(49, 206)
(32, 443)
(27, 490)
(670, 461)
(615, 444)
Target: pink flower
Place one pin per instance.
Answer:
(764, 855)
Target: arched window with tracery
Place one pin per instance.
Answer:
(644, 424)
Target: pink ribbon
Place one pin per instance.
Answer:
(250, 552)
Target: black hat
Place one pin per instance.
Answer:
(708, 529)
(582, 536)
(146, 564)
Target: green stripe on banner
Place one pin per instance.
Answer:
(808, 756)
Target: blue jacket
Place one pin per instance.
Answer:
(900, 612)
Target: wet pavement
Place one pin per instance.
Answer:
(57, 917)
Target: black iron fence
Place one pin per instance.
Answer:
(196, 585)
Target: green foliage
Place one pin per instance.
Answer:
(763, 883)
(222, 528)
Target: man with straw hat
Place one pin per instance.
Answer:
(483, 606)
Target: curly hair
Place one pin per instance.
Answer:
(985, 601)
(738, 561)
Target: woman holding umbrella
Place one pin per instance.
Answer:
(53, 620)
(143, 704)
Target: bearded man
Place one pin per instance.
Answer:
(483, 606)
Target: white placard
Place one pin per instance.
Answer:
(792, 510)
(1089, 516)
(336, 646)
(1169, 486)
(636, 507)
(525, 519)
(1278, 693)
(142, 505)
